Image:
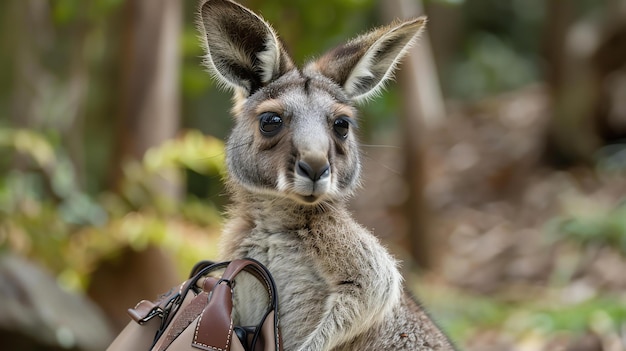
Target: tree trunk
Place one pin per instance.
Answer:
(574, 90)
(149, 101)
(149, 115)
(422, 108)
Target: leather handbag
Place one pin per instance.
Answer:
(198, 315)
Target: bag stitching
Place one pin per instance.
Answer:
(230, 332)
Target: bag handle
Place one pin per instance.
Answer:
(256, 269)
(216, 332)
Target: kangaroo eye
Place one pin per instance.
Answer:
(341, 126)
(270, 123)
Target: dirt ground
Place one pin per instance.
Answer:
(497, 218)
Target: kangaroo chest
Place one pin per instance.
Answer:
(302, 288)
(313, 266)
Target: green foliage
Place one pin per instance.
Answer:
(68, 11)
(45, 216)
(611, 159)
(311, 27)
(194, 80)
(499, 46)
(195, 151)
(446, 2)
(601, 228)
(30, 143)
(464, 315)
(487, 68)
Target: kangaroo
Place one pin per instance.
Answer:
(293, 161)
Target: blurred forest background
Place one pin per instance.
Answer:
(495, 167)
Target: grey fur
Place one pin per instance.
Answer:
(339, 288)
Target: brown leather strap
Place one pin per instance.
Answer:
(236, 266)
(143, 311)
(216, 331)
(184, 318)
(207, 283)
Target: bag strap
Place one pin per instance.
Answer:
(199, 267)
(185, 316)
(167, 303)
(146, 310)
(216, 332)
(256, 269)
(167, 309)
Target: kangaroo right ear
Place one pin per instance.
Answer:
(242, 50)
(364, 64)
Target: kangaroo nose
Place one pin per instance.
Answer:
(313, 171)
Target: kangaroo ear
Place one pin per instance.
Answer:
(362, 65)
(241, 49)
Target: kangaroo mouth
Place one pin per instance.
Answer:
(310, 192)
(309, 198)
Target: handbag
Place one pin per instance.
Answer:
(197, 314)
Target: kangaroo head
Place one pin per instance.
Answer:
(294, 128)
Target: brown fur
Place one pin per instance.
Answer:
(339, 288)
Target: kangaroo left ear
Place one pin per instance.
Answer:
(243, 51)
(362, 65)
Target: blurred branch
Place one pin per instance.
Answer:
(560, 17)
(419, 73)
(423, 107)
(78, 87)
